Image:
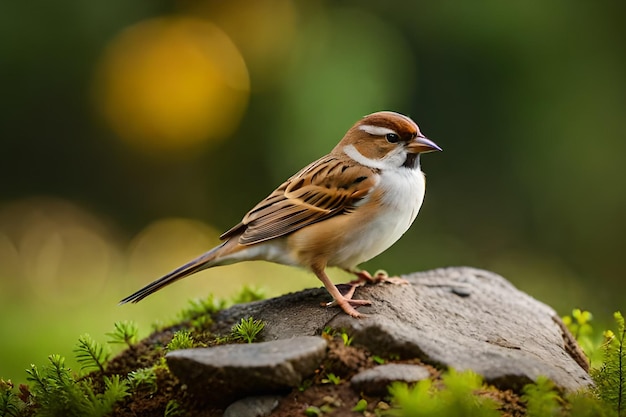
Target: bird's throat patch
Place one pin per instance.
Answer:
(412, 161)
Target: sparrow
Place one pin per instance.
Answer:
(341, 210)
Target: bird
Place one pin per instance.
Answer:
(341, 210)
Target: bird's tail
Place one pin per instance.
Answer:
(201, 262)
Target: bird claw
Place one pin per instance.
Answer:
(349, 301)
(395, 281)
(346, 302)
(381, 276)
(346, 305)
(363, 278)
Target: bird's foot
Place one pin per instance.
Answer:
(381, 276)
(346, 305)
(346, 302)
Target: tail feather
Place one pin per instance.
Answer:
(191, 267)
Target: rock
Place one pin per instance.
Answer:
(375, 381)
(458, 317)
(253, 406)
(224, 373)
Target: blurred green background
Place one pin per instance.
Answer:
(133, 133)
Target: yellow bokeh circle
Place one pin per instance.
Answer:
(172, 84)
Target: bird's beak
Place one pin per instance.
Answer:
(423, 144)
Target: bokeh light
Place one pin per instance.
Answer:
(264, 30)
(57, 262)
(166, 244)
(171, 84)
(52, 249)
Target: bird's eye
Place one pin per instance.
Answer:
(392, 137)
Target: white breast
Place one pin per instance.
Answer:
(402, 196)
(404, 190)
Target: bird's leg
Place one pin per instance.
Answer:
(344, 301)
(381, 276)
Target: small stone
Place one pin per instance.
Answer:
(227, 372)
(375, 381)
(332, 401)
(258, 406)
(383, 406)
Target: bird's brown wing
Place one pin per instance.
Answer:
(325, 188)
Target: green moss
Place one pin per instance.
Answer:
(182, 340)
(200, 307)
(541, 399)
(331, 378)
(247, 329)
(248, 294)
(360, 406)
(173, 409)
(456, 396)
(10, 404)
(143, 378)
(610, 377)
(125, 333)
(579, 323)
(90, 353)
(55, 392)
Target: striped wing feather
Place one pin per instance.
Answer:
(328, 187)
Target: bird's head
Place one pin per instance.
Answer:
(386, 140)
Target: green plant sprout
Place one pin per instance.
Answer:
(115, 390)
(125, 333)
(585, 404)
(610, 378)
(158, 325)
(182, 340)
(329, 331)
(541, 398)
(455, 398)
(144, 377)
(202, 323)
(347, 340)
(379, 360)
(54, 392)
(247, 330)
(248, 294)
(9, 401)
(360, 406)
(91, 354)
(312, 411)
(173, 409)
(305, 384)
(331, 379)
(579, 324)
(200, 307)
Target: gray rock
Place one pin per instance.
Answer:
(223, 373)
(459, 317)
(259, 406)
(375, 381)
